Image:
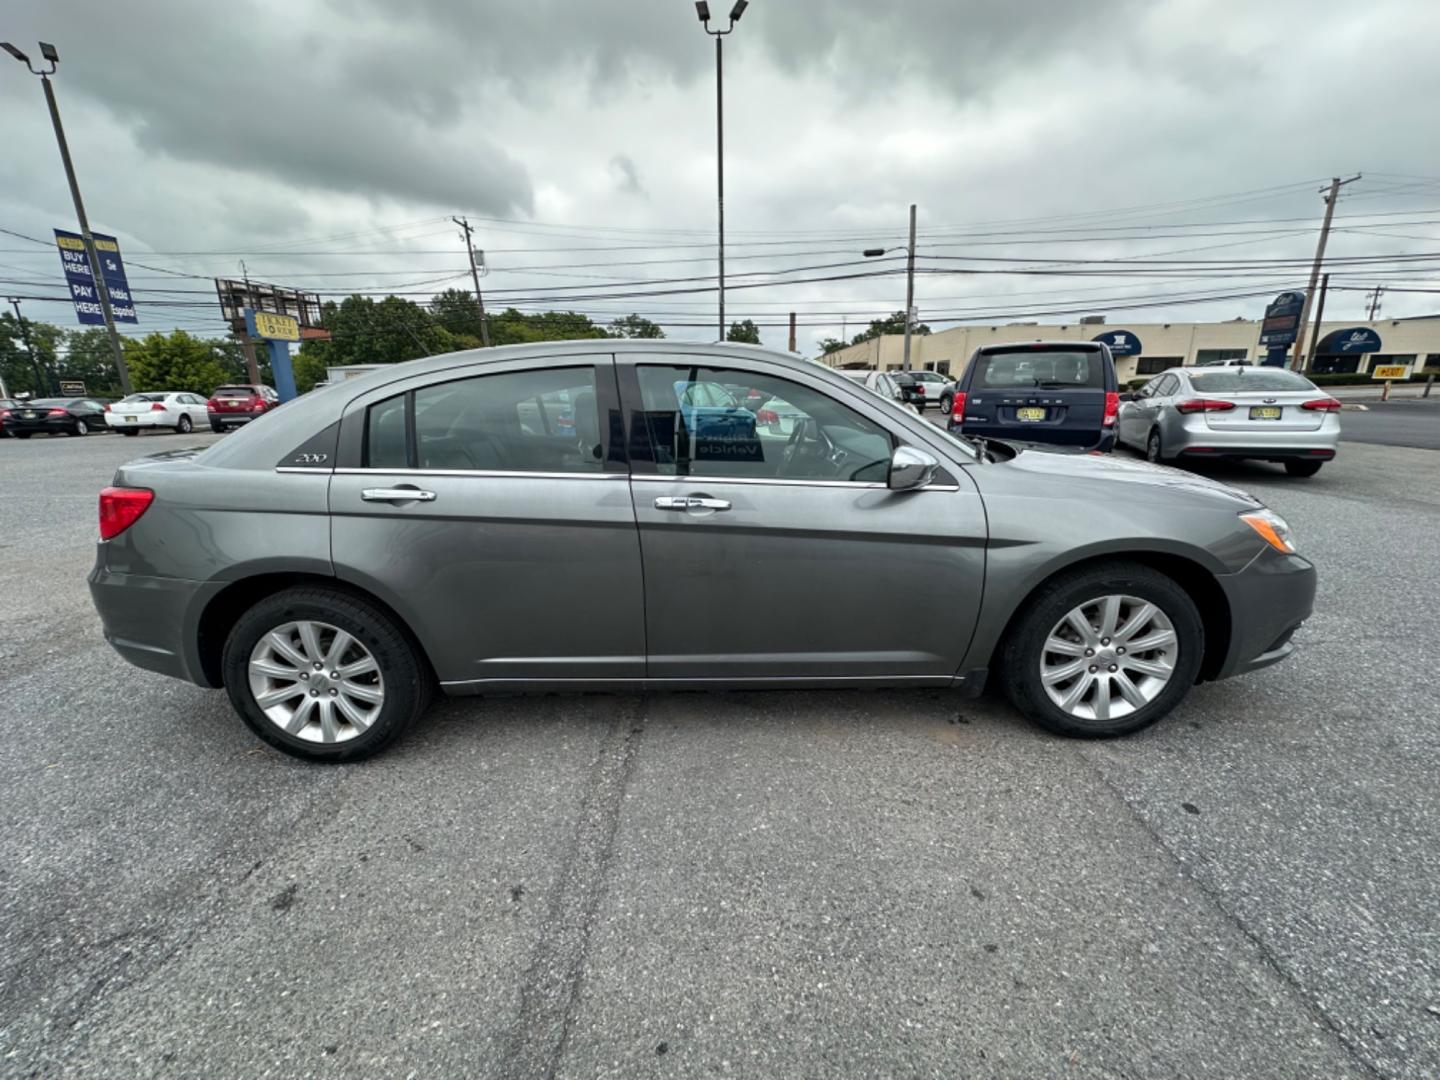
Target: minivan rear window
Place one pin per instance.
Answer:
(1236, 380)
(1050, 368)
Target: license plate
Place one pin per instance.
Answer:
(129, 419)
(1265, 412)
(28, 415)
(1030, 415)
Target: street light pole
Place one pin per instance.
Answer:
(702, 8)
(909, 289)
(53, 57)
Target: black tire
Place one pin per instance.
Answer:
(947, 403)
(184, 426)
(80, 429)
(1021, 652)
(22, 434)
(1154, 449)
(216, 427)
(1303, 468)
(407, 679)
(129, 431)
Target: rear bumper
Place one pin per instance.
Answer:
(1261, 453)
(1268, 601)
(232, 417)
(120, 423)
(146, 620)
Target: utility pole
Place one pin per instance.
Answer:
(1375, 301)
(464, 223)
(40, 382)
(792, 333)
(53, 58)
(1331, 197)
(909, 288)
(1319, 315)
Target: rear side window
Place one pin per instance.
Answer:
(1055, 369)
(1239, 379)
(546, 420)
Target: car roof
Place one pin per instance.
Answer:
(1015, 346)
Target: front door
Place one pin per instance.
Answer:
(772, 547)
(487, 505)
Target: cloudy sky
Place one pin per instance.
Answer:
(326, 144)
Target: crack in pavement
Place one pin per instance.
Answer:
(550, 992)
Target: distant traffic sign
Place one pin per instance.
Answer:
(82, 282)
(1390, 371)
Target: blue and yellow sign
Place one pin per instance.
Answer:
(273, 327)
(82, 282)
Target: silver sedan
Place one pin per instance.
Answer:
(1263, 413)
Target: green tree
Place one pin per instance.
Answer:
(16, 365)
(366, 331)
(89, 358)
(512, 327)
(174, 361)
(635, 326)
(457, 311)
(893, 324)
(829, 345)
(745, 331)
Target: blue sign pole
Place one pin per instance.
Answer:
(279, 350)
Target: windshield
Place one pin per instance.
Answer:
(1238, 379)
(1058, 368)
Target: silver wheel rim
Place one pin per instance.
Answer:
(1152, 446)
(1108, 658)
(80, 428)
(316, 682)
(184, 423)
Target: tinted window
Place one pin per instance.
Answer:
(544, 420)
(796, 434)
(1053, 368)
(234, 392)
(1239, 379)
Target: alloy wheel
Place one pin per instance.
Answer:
(80, 428)
(316, 682)
(1108, 658)
(185, 425)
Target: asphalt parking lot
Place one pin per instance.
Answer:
(777, 884)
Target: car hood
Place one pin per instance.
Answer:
(1106, 468)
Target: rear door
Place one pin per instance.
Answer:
(491, 508)
(1039, 393)
(774, 556)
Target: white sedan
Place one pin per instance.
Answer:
(176, 410)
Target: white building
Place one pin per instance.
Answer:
(1148, 348)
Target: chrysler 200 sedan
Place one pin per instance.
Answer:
(545, 517)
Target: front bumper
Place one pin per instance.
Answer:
(1268, 601)
(146, 620)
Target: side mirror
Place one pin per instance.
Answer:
(911, 468)
(1127, 396)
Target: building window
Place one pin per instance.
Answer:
(1336, 365)
(1153, 365)
(1215, 356)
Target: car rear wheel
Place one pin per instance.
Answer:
(184, 426)
(81, 428)
(1154, 450)
(129, 431)
(22, 434)
(947, 402)
(1103, 651)
(216, 427)
(1303, 468)
(324, 675)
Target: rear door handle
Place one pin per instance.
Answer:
(400, 494)
(690, 502)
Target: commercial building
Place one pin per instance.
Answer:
(1143, 349)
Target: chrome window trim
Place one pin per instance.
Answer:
(497, 473)
(651, 478)
(319, 470)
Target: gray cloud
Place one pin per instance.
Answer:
(627, 176)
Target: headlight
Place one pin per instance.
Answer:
(1271, 526)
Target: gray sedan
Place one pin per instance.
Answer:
(1233, 412)
(549, 517)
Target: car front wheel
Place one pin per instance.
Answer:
(324, 675)
(1103, 651)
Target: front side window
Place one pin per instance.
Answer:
(544, 420)
(786, 431)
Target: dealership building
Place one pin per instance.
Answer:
(1142, 349)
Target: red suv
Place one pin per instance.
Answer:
(231, 405)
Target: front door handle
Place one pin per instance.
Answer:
(399, 494)
(690, 502)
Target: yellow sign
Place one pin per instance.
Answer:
(276, 327)
(1390, 371)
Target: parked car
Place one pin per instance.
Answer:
(709, 409)
(939, 389)
(1059, 392)
(331, 566)
(176, 411)
(1204, 413)
(55, 416)
(230, 406)
(880, 382)
(6, 404)
(1223, 363)
(914, 388)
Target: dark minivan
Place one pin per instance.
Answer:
(1059, 392)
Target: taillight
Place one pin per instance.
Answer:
(957, 407)
(920, 389)
(1194, 405)
(258, 405)
(1112, 409)
(121, 507)
(107, 406)
(4, 413)
(157, 407)
(1324, 404)
(212, 404)
(767, 416)
(57, 412)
